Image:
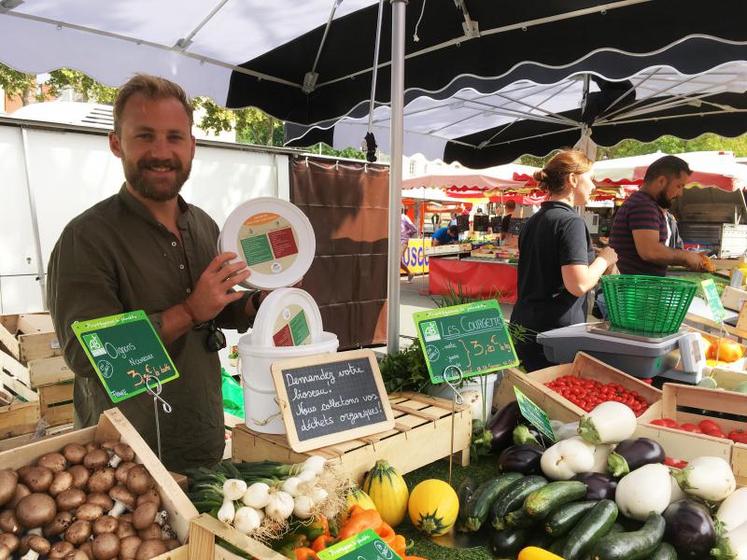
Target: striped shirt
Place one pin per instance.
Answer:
(640, 211)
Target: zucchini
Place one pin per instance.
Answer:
(507, 543)
(665, 552)
(479, 506)
(465, 491)
(562, 520)
(518, 518)
(553, 495)
(632, 545)
(593, 526)
(513, 498)
(558, 545)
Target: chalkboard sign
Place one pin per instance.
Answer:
(331, 398)
(124, 350)
(472, 337)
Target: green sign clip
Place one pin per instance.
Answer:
(714, 301)
(363, 546)
(534, 414)
(125, 352)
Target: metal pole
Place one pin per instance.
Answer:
(395, 170)
(34, 219)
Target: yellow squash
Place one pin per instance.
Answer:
(356, 496)
(433, 507)
(388, 491)
(534, 553)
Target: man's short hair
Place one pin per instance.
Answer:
(454, 230)
(152, 87)
(510, 205)
(667, 166)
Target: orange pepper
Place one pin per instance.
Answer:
(322, 542)
(398, 545)
(358, 522)
(305, 553)
(384, 531)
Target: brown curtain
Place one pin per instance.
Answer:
(347, 204)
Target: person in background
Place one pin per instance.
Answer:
(510, 206)
(639, 231)
(557, 262)
(453, 220)
(147, 248)
(445, 235)
(407, 230)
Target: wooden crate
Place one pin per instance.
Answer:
(203, 532)
(587, 366)
(18, 441)
(686, 445)
(539, 395)
(29, 337)
(114, 426)
(19, 404)
(422, 427)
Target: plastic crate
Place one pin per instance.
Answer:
(647, 304)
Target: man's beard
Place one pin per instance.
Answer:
(663, 201)
(159, 192)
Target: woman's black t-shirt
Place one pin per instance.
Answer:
(555, 236)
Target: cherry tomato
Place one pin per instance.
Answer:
(738, 436)
(691, 428)
(708, 425)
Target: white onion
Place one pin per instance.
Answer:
(234, 488)
(280, 506)
(302, 507)
(257, 495)
(290, 486)
(315, 464)
(247, 520)
(227, 511)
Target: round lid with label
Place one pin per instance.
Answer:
(287, 317)
(274, 238)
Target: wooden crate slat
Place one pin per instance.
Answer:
(8, 329)
(50, 395)
(14, 368)
(37, 346)
(33, 323)
(739, 463)
(205, 529)
(48, 371)
(14, 385)
(432, 401)
(18, 441)
(18, 418)
(414, 412)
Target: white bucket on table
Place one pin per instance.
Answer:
(262, 412)
(471, 385)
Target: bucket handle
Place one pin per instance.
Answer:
(269, 419)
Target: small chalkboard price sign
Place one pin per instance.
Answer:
(331, 398)
(472, 337)
(124, 350)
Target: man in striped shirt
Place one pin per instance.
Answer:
(639, 232)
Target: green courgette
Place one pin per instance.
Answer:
(478, 507)
(665, 552)
(513, 498)
(539, 503)
(518, 518)
(595, 524)
(632, 545)
(465, 491)
(562, 520)
(558, 545)
(507, 543)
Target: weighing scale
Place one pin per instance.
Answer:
(679, 356)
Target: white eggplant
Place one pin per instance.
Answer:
(601, 454)
(643, 491)
(732, 545)
(247, 520)
(733, 510)
(567, 458)
(608, 422)
(677, 493)
(708, 478)
(564, 431)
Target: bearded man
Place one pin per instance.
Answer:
(146, 248)
(640, 233)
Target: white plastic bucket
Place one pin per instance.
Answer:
(262, 412)
(472, 384)
(256, 361)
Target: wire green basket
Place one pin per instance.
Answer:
(650, 305)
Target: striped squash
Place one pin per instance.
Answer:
(388, 491)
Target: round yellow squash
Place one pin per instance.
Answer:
(433, 507)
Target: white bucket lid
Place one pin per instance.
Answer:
(287, 317)
(274, 238)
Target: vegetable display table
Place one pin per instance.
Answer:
(473, 277)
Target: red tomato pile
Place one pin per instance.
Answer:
(708, 427)
(588, 393)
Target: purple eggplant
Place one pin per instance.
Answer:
(598, 486)
(690, 529)
(632, 454)
(524, 459)
(502, 426)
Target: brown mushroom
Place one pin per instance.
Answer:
(123, 499)
(102, 480)
(74, 453)
(8, 485)
(89, 512)
(105, 524)
(59, 524)
(78, 555)
(78, 532)
(152, 531)
(109, 444)
(91, 446)
(96, 459)
(128, 547)
(9, 523)
(9, 541)
(127, 517)
(151, 495)
(60, 549)
(36, 478)
(122, 452)
(70, 499)
(87, 548)
(62, 481)
(144, 515)
(38, 546)
(36, 510)
(125, 529)
(171, 544)
(100, 499)
(5, 554)
(21, 492)
(122, 470)
(80, 476)
(55, 462)
(150, 549)
(106, 546)
(139, 480)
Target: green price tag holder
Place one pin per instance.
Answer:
(534, 414)
(128, 357)
(363, 546)
(714, 302)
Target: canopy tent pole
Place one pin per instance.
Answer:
(395, 170)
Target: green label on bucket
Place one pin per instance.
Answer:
(714, 302)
